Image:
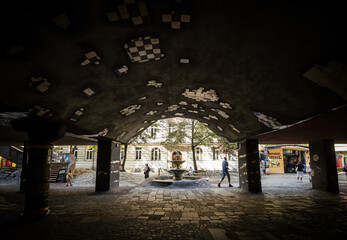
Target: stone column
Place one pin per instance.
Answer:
(323, 165)
(107, 167)
(249, 169)
(37, 174)
(38, 177)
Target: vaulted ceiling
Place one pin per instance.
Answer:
(112, 68)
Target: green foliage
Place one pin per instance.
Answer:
(190, 130)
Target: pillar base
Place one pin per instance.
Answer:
(35, 214)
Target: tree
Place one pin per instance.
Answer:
(193, 131)
(227, 148)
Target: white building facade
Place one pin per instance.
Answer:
(157, 155)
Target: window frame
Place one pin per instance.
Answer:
(155, 153)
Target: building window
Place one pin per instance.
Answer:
(155, 154)
(215, 154)
(154, 132)
(198, 153)
(90, 154)
(138, 154)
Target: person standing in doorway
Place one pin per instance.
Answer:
(300, 171)
(146, 170)
(225, 168)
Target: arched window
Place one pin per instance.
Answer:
(215, 154)
(198, 153)
(155, 154)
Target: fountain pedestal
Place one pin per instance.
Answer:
(177, 172)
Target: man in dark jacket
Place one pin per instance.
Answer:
(300, 171)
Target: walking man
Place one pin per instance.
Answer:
(225, 168)
(300, 171)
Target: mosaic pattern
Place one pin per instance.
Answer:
(41, 84)
(40, 111)
(140, 129)
(142, 98)
(130, 110)
(194, 105)
(61, 20)
(225, 105)
(193, 111)
(145, 121)
(104, 132)
(120, 136)
(77, 115)
(135, 10)
(160, 103)
(143, 49)
(150, 113)
(92, 57)
(206, 124)
(212, 117)
(184, 60)
(89, 92)
(179, 114)
(183, 103)
(267, 121)
(220, 129)
(112, 16)
(154, 83)
(122, 70)
(201, 95)
(207, 118)
(163, 116)
(234, 128)
(172, 108)
(222, 113)
(175, 20)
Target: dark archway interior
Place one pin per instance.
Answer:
(243, 67)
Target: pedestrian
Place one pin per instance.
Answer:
(308, 170)
(146, 170)
(191, 171)
(225, 168)
(299, 171)
(69, 178)
(263, 166)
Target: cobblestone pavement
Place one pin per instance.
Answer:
(285, 210)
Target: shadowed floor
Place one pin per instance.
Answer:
(285, 210)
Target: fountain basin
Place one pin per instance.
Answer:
(177, 173)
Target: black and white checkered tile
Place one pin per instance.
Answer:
(137, 11)
(143, 49)
(175, 19)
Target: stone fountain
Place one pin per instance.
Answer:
(177, 171)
